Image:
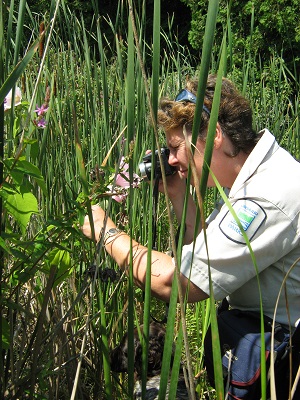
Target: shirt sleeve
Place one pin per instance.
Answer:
(225, 255)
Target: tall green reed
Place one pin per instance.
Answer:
(82, 316)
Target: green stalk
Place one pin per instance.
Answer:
(263, 360)
(19, 35)
(101, 111)
(208, 39)
(156, 56)
(11, 80)
(130, 103)
(246, 76)
(155, 77)
(2, 63)
(200, 190)
(9, 35)
(203, 74)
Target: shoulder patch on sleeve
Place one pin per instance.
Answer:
(251, 216)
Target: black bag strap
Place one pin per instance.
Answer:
(223, 306)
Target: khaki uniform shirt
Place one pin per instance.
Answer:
(266, 199)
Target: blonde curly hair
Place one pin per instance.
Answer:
(235, 114)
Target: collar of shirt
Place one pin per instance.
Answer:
(266, 144)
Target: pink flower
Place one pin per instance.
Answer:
(40, 123)
(122, 183)
(120, 198)
(123, 178)
(119, 194)
(41, 110)
(8, 99)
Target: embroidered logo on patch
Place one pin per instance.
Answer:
(250, 215)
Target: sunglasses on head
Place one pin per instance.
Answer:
(186, 95)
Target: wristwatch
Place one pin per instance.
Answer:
(111, 232)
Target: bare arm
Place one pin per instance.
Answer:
(162, 267)
(176, 193)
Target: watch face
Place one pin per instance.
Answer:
(110, 232)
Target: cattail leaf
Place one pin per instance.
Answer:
(18, 70)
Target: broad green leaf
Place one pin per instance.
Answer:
(21, 207)
(23, 167)
(61, 259)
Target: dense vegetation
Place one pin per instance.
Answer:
(83, 105)
(257, 27)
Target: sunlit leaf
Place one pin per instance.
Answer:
(62, 260)
(21, 207)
